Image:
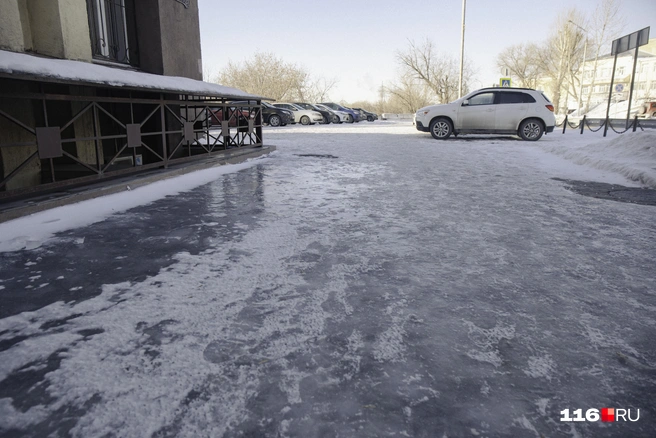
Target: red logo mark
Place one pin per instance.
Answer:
(608, 414)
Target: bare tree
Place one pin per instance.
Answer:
(522, 63)
(316, 90)
(438, 72)
(410, 94)
(269, 76)
(561, 57)
(606, 24)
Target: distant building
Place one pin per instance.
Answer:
(98, 88)
(597, 82)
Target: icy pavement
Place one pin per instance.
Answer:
(365, 280)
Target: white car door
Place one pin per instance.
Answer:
(512, 107)
(291, 108)
(477, 113)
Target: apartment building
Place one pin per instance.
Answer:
(597, 76)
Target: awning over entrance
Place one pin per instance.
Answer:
(31, 67)
(65, 123)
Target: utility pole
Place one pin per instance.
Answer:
(462, 48)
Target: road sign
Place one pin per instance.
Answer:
(619, 88)
(505, 82)
(630, 41)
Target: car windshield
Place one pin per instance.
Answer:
(297, 107)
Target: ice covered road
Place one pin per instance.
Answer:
(362, 281)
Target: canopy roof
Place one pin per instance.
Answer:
(31, 67)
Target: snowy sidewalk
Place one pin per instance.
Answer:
(365, 280)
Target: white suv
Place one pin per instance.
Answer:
(518, 111)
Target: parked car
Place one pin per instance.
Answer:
(327, 115)
(355, 116)
(520, 111)
(302, 116)
(236, 116)
(274, 116)
(367, 115)
(338, 116)
(647, 110)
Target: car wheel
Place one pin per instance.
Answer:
(326, 120)
(274, 120)
(653, 115)
(337, 120)
(370, 119)
(305, 120)
(349, 119)
(531, 130)
(441, 128)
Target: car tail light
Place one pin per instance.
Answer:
(550, 107)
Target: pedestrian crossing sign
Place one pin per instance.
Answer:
(505, 82)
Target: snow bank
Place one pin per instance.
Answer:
(632, 155)
(616, 110)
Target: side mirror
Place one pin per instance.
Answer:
(465, 102)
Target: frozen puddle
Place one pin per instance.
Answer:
(613, 192)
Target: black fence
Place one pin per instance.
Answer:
(619, 126)
(56, 135)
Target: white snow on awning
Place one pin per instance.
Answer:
(26, 66)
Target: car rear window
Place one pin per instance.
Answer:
(515, 97)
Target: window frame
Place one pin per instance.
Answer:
(469, 99)
(112, 29)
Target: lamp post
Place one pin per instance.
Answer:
(462, 49)
(585, 49)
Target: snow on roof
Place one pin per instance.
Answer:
(26, 66)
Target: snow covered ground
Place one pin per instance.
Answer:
(364, 280)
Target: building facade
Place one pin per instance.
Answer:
(99, 88)
(154, 36)
(596, 87)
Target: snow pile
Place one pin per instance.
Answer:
(632, 155)
(77, 71)
(616, 110)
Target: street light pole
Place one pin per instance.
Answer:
(585, 49)
(462, 49)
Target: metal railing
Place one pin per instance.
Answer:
(97, 133)
(619, 126)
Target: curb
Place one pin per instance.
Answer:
(28, 206)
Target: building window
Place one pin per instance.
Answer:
(112, 27)
(585, 90)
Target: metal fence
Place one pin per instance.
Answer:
(619, 126)
(70, 135)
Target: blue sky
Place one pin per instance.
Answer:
(356, 41)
